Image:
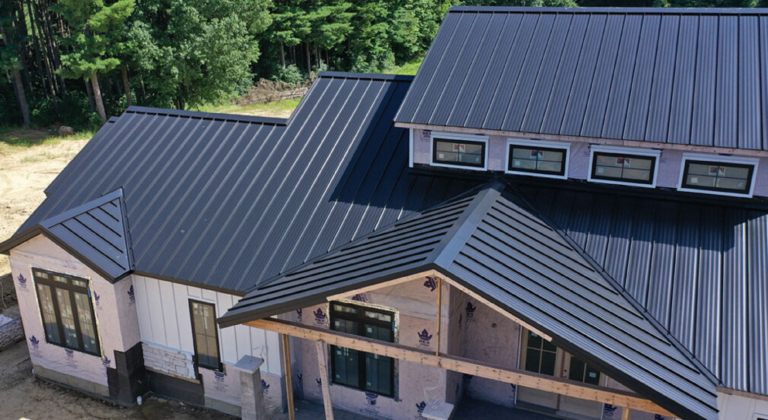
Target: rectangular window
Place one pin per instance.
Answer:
(466, 152)
(731, 177)
(540, 355)
(206, 336)
(537, 158)
(624, 167)
(352, 368)
(67, 311)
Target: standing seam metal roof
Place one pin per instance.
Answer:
(683, 76)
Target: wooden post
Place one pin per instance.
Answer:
(288, 376)
(626, 413)
(439, 313)
(322, 364)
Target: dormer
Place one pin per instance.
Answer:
(638, 98)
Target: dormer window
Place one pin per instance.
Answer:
(459, 151)
(624, 166)
(718, 175)
(537, 158)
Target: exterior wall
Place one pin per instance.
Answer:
(414, 304)
(578, 166)
(741, 407)
(166, 333)
(115, 318)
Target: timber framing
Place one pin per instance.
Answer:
(462, 365)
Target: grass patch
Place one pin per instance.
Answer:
(269, 109)
(20, 137)
(410, 68)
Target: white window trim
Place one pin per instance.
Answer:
(452, 136)
(718, 159)
(629, 151)
(536, 143)
(410, 148)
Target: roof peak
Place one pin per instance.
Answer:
(207, 115)
(365, 76)
(612, 10)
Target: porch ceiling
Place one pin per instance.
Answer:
(497, 246)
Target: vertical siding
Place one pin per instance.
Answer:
(164, 320)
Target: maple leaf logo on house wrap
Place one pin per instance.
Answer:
(360, 297)
(35, 342)
(22, 281)
(298, 312)
(265, 386)
(106, 362)
(371, 397)
(96, 297)
(131, 294)
(424, 337)
(219, 376)
(70, 353)
(431, 284)
(470, 310)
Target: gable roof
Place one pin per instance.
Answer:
(227, 201)
(698, 267)
(498, 246)
(679, 76)
(94, 232)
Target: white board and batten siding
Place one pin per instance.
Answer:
(165, 321)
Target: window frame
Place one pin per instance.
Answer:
(219, 367)
(717, 160)
(361, 320)
(542, 145)
(71, 289)
(458, 138)
(655, 155)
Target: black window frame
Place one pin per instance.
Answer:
(510, 149)
(686, 167)
(446, 139)
(219, 365)
(651, 181)
(361, 321)
(72, 289)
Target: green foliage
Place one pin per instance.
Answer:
(73, 111)
(91, 23)
(289, 74)
(192, 52)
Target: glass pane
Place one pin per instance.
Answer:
(732, 184)
(85, 318)
(454, 152)
(378, 316)
(79, 283)
(637, 174)
(379, 333)
(346, 366)
(344, 309)
(532, 360)
(550, 156)
(576, 371)
(608, 172)
(204, 327)
(67, 318)
(592, 376)
(734, 172)
(548, 363)
(548, 346)
(343, 325)
(523, 164)
(524, 153)
(377, 373)
(42, 275)
(700, 181)
(534, 341)
(544, 166)
(49, 314)
(60, 279)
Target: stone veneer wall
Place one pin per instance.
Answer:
(168, 361)
(11, 331)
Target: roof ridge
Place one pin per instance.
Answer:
(614, 10)
(207, 115)
(465, 226)
(600, 270)
(366, 76)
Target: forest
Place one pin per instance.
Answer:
(77, 62)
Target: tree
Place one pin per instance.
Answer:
(10, 57)
(197, 51)
(91, 22)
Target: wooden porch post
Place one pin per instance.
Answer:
(288, 376)
(322, 364)
(626, 413)
(439, 313)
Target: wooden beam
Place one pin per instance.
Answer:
(322, 364)
(288, 376)
(439, 313)
(462, 365)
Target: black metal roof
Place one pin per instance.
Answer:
(683, 76)
(227, 201)
(700, 268)
(498, 246)
(95, 232)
